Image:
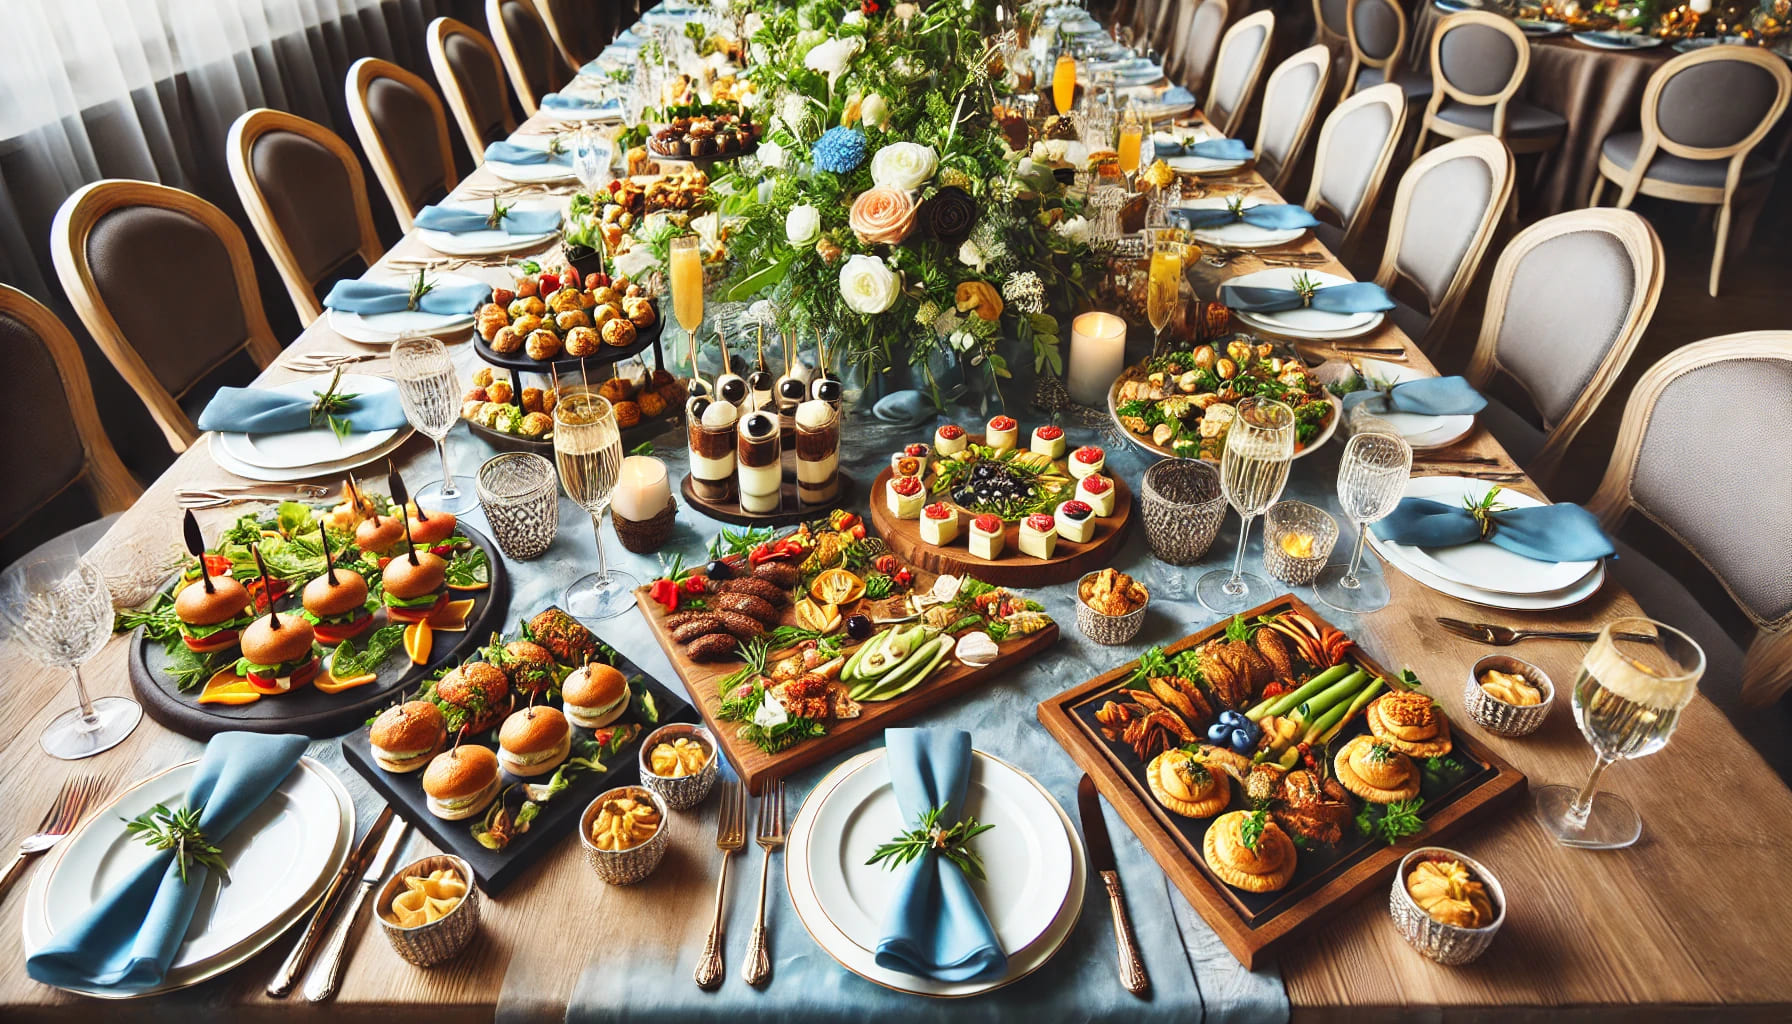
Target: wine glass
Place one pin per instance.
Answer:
(56, 605)
(1627, 698)
(1371, 479)
(431, 398)
(591, 158)
(1253, 468)
(1163, 289)
(588, 449)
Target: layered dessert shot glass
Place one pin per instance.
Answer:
(817, 452)
(710, 423)
(758, 460)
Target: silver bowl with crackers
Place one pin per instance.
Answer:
(1509, 696)
(624, 834)
(429, 909)
(1110, 606)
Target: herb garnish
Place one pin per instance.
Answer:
(421, 287)
(1395, 822)
(1484, 509)
(1251, 832)
(162, 829)
(495, 219)
(952, 842)
(331, 401)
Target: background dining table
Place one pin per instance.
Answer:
(1687, 920)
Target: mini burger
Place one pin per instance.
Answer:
(277, 655)
(474, 696)
(534, 741)
(461, 782)
(336, 604)
(413, 586)
(431, 531)
(212, 620)
(404, 738)
(595, 696)
(528, 665)
(379, 535)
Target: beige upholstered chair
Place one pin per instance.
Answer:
(306, 197)
(1356, 144)
(1194, 41)
(471, 75)
(579, 28)
(535, 66)
(1236, 70)
(1569, 298)
(50, 386)
(1290, 101)
(1377, 38)
(1478, 61)
(1704, 114)
(404, 132)
(1444, 214)
(164, 283)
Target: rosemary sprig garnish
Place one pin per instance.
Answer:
(163, 829)
(419, 288)
(330, 402)
(1235, 206)
(1380, 753)
(952, 842)
(1484, 509)
(1251, 832)
(500, 210)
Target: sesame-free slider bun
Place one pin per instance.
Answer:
(460, 782)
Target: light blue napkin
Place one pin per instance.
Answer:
(367, 297)
(1548, 533)
(936, 928)
(463, 221)
(561, 101)
(511, 153)
(904, 408)
(1427, 396)
(1357, 297)
(260, 411)
(128, 939)
(1211, 149)
(1268, 216)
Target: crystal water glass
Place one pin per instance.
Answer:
(1371, 479)
(520, 496)
(592, 156)
(430, 394)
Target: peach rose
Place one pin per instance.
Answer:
(882, 215)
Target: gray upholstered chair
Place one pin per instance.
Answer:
(306, 197)
(1243, 50)
(404, 133)
(1478, 61)
(1445, 211)
(1704, 114)
(471, 75)
(1356, 144)
(1331, 20)
(1377, 35)
(1290, 100)
(1194, 41)
(535, 65)
(1696, 456)
(1569, 298)
(579, 28)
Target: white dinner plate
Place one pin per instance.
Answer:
(281, 859)
(849, 954)
(534, 174)
(1421, 431)
(1239, 235)
(295, 448)
(1537, 27)
(1616, 40)
(1304, 323)
(491, 241)
(1484, 566)
(386, 328)
(1398, 556)
(332, 468)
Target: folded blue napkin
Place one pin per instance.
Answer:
(511, 153)
(367, 297)
(1548, 533)
(936, 928)
(561, 101)
(260, 411)
(1427, 396)
(1269, 216)
(129, 937)
(905, 408)
(1357, 297)
(462, 221)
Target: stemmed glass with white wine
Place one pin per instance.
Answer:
(1627, 698)
(1371, 479)
(1253, 470)
(588, 449)
(431, 398)
(1163, 288)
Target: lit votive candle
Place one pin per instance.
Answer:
(1097, 355)
(641, 489)
(1700, 6)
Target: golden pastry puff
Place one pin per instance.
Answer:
(506, 340)
(542, 344)
(1377, 772)
(1264, 865)
(584, 341)
(429, 898)
(624, 823)
(677, 759)
(1186, 786)
(618, 332)
(491, 317)
(639, 311)
(1445, 890)
(571, 318)
(1410, 723)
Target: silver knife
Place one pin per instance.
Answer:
(1101, 857)
(321, 984)
(288, 975)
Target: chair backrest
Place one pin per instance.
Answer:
(1478, 58)
(1151, 20)
(1330, 20)
(471, 75)
(404, 132)
(306, 197)
(1445, 210)
(50, 387)
(1290, 101)
(1377, 33)
(1236, 70)
(164, 282)
(1197, 41)
(1569, 298)
(579, 28)
(1356, 144)
(1711, 104)
(527, 48)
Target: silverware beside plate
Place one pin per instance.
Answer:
(1100, 848)
(1496, 635)
(62, 817)
(322, 982)
(288, 974)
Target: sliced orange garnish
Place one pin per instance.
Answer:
(451, 617)
(418, 639)
(483, 585)
(327, 682)
(226, 687)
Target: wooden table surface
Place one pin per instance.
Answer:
(1688, 919)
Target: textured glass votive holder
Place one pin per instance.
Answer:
(1297, 540)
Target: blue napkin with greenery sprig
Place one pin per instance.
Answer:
(1548, 533)
(1356, 297)
(369, 297)
(505, 152)
(561, 101)
(1427, 396)
(127, 940)
(1268, 216)
(261, 411)
(1211, 149)
(462, 221)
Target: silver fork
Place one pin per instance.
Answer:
(76, 793)
(758, 969)
(731, 835)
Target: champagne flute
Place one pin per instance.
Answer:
(56, 605)
(588, 449)
(1627, 697)
(1132, 137)
(686, 271)
(1371, 478)
(431, 398)
(1064, 82)
(1163, 288)
(1253, 469)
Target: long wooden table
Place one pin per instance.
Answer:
(1687, 920)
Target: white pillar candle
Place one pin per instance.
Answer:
(1700, 6)
(641, 489)
(1097, 355)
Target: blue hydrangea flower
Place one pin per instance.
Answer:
(840, 150)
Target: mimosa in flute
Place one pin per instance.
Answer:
(1064, 83)
(687, 286)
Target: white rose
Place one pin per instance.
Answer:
(635, 262)
(853, 18)
(904, 165)
(875, 110)
(1075, 229)
(832, 57)
(1076, 154)
(770, 154)
(802, 224)
(867, 285)
(794, 109)
(970, 255)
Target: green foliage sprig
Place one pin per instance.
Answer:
(161, 828)
(950, 841)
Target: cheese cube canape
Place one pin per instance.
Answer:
(1076, 521)
(1048, 441)
(1001, 433)
(1098, 491)
(1038, 536)
(939, 524)
(950, 439)
(1086, 461)
(987, 535)
(905, 495)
